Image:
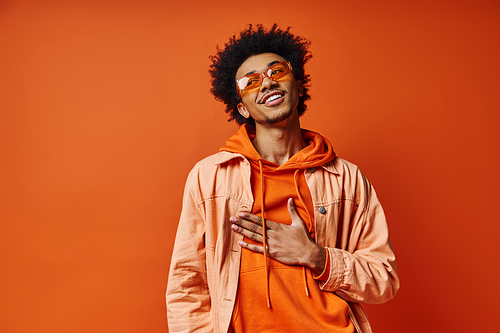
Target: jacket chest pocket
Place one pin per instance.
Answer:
(335, 222)
(217, 211)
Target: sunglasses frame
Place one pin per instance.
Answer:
(265, 74)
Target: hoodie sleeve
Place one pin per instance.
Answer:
(362, 264)
(188, 298)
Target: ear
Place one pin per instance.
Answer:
(300, 87)
(243, 110)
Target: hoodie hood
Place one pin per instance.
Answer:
(317, 152)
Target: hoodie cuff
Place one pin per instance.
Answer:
(326, 271)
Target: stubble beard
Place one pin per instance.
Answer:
(278, 118)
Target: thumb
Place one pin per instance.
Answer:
(292, 210)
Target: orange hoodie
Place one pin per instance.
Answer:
(289, 308)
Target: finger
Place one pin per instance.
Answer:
(258, 220)
(252, 247)
(247, 233)
(251, 217)
(249, 225)
(292, 211)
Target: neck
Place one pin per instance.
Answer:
(278, 144)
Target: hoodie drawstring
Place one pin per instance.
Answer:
(264, 236)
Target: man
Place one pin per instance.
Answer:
(279, 187)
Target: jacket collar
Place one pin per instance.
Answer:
(330, 166)
(225, 156)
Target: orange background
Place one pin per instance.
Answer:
(105, 107)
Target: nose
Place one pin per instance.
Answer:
(267, 83)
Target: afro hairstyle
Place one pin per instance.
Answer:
(253, 41)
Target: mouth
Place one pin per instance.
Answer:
(273, 98)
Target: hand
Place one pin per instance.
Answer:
(288, 244)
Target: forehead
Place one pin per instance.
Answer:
(258, 63)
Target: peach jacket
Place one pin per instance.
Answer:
(204, 270)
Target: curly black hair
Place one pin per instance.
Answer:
(226, 61)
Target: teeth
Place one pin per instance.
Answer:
(272, 98)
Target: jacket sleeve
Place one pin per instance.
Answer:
(363, 270)
(188, 296)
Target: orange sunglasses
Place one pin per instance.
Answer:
(275, 73)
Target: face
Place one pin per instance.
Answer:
(274, 101)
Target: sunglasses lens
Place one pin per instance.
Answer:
(249, 82)
(277, 71)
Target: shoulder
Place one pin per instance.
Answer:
(215, 161)
(207, 162)
(212, 167)
(343, 168)
(345, 165)
(218, 175)
(348, 176)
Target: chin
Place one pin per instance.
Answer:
(279, 118)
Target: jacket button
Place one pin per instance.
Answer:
(311, 170)
(322, 210)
